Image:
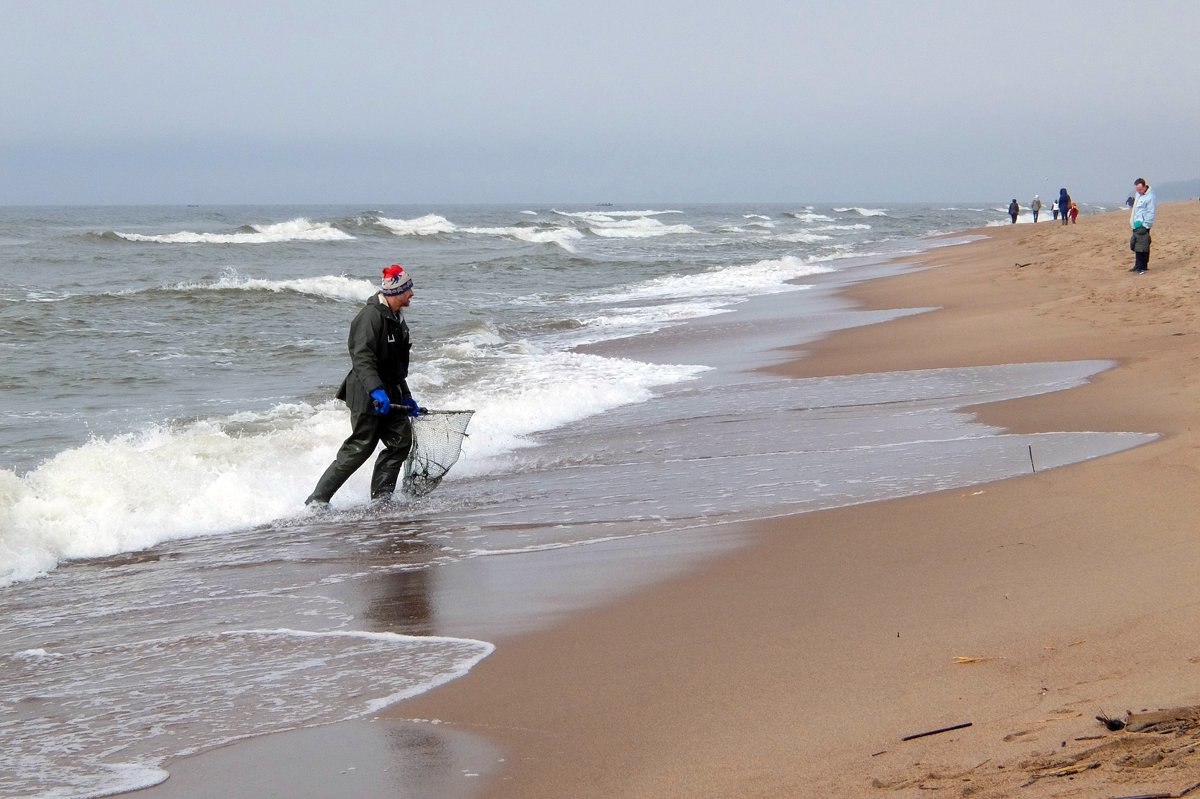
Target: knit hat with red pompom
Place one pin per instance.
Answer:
(395, 280)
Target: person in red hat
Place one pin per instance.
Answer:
(376, 391)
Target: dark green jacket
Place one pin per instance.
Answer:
(1139, 240)
(379, 346)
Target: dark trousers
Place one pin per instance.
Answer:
(368, 429)
(1141, 261)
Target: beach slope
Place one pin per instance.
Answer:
(798, 665)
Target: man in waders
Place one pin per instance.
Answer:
(376, 392)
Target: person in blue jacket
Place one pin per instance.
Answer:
(376, 390)
(1064, 205)
(1141, 219)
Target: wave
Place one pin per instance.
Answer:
(428, 225)
(761, 277)
(562, 236)
(809, 216)
(335, 287)
(609, 216)
(636, 228)
(217, 475)
(802, 237)
(626, 224)
(603, 224)
(243, 682)
(435, 225)
(858, 226)
(863, 211)
(299, 229)
(652, 304)
(638, 320)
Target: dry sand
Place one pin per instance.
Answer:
(794, 667)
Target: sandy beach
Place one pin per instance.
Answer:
(1015, 612)
(1024, 608)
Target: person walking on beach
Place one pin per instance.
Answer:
(1054, 209)
(1013, 210)
(1035, 206)
(376, 392)
(1064, 205)
(1074, 211)
(1141, 219)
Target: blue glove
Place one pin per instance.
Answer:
(1138, 224)
(382, 403)
(413, 408)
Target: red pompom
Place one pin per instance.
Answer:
(393, 271)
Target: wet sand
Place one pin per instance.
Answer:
(794, 666)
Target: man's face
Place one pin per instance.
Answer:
(1140, 188)
(398, 301)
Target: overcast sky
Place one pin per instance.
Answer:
(624, 101)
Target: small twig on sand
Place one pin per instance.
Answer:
(937, 731)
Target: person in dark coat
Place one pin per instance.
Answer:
(1013, 210)
(1064, 205)
(376, 391)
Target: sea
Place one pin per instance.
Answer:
(166, 405)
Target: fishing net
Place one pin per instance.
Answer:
(437, 441)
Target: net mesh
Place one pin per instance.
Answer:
(437, 442)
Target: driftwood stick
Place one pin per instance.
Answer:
(1067, 772)
(1189, 789)
(935, 732)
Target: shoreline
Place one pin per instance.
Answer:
(793, 665)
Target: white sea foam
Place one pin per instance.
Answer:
(609, 215)
(863, 211)
(146, 701)
(809, 215)
(530, 391)
(299, 229)
(337, 287)
(433, 225)
(562, 236)
(130, 492)
(803, 237)
(636, 228)
(637, 320)
(428, 225)
(761, 277)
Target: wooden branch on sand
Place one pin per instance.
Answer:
(937, 731)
